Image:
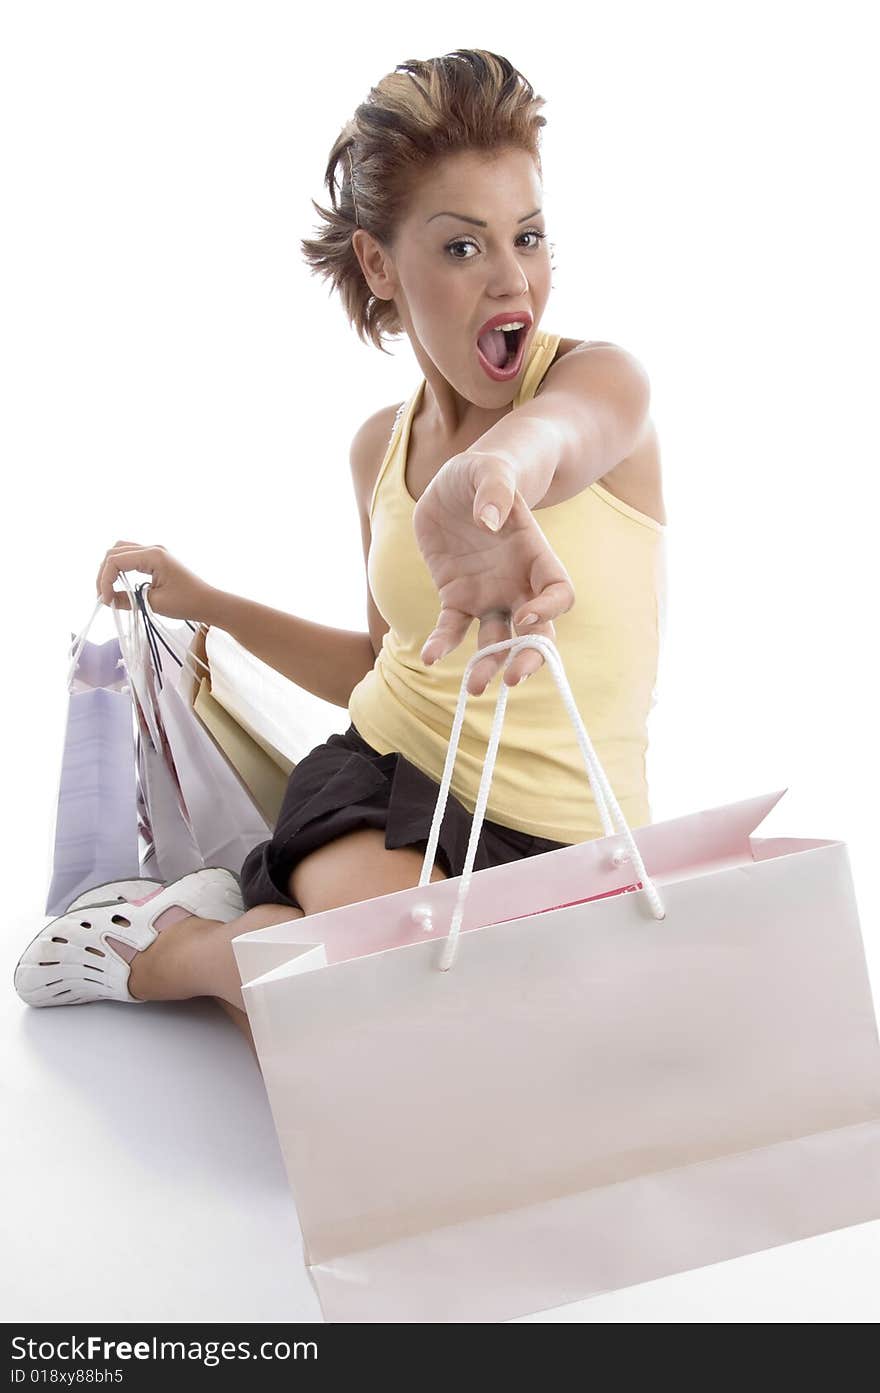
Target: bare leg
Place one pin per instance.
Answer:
(194, 957)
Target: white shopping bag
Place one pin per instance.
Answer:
(225, 821)
(507, 1091)
(284, 719)
(171, 849)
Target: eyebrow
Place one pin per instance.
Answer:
(478, 222)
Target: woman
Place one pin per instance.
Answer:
(438, 234)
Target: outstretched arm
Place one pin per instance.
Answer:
(588, 416)
(589, 413)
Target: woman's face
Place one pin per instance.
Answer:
(471, 248)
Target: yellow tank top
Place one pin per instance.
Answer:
(608, 642)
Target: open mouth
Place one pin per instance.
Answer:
(500, 351)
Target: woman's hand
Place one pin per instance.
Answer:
(497, 577)
(174, 591)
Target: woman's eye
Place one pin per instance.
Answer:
(468, 242)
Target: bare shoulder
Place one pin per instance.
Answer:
(600, 351)
(568, 345)
(368, 447)
(607, 365)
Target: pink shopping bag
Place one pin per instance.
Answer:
(511, 1090)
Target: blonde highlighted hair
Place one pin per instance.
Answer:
(469, 100)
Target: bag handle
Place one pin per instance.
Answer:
(148, 617)
(599, 784)
(184, 657)
(133, 643)
(79, 643)
(150, 637)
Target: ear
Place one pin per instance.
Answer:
(376, 264)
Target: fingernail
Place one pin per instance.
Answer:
(529, 619)
(522, 678)
(491, 517)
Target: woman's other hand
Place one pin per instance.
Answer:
(174, 591)
(497, 577)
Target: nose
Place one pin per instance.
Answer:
(507, 279)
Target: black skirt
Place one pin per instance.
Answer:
(344, 784)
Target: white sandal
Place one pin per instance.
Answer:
(70, 960)
(115, 890)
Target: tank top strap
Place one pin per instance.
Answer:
(543, 351)
(403, 413)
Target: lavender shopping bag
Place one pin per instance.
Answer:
(95, 833)
(511, 1090)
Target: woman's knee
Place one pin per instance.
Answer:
(260, 916)
(357, 866)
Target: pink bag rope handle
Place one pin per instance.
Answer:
(599, 784)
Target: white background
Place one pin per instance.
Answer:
(172, 373)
